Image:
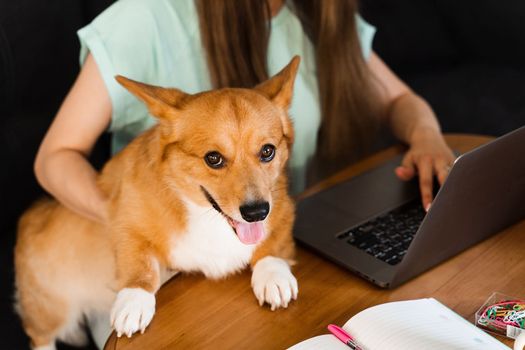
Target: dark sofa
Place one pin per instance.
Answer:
(467, 58)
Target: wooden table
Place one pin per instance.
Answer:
(195, 313)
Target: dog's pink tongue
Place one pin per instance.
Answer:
(249, 233)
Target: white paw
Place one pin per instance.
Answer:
(132, 311)
(273, 282)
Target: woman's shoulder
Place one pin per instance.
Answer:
(148, 15)
(365, 33)
(142, 29)
(145, 40)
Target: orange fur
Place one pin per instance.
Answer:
(67, 265)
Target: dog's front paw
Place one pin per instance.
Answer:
(273, 282)
(132, 311)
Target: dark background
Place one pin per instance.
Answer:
(467, 58)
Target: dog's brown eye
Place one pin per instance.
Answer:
(267, 153)
(214, 159)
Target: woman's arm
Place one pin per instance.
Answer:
(413, 122)
(61, 164)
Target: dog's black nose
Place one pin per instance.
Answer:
(254, 211)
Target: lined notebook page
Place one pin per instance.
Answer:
(321, 342)
(417, 324)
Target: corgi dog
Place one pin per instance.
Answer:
(204, 190)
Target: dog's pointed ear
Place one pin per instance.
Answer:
(161, 102)
(279, 88)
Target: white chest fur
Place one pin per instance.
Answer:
(209, 245)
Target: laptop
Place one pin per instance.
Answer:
(374, 224)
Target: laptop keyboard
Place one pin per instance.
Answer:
(387, 236)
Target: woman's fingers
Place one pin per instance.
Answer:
(425, 170)
(441, 169)
(426, 166)
(406, 170)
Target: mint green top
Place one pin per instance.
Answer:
(158, 42)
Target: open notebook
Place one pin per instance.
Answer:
(408, 325)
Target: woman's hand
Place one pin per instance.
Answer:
(414, 123)
(428, 156)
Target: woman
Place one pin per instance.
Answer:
(343, 89)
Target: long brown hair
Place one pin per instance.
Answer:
(235, 35)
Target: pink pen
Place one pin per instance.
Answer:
(343, 336)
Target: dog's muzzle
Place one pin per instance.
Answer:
(252, 231)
